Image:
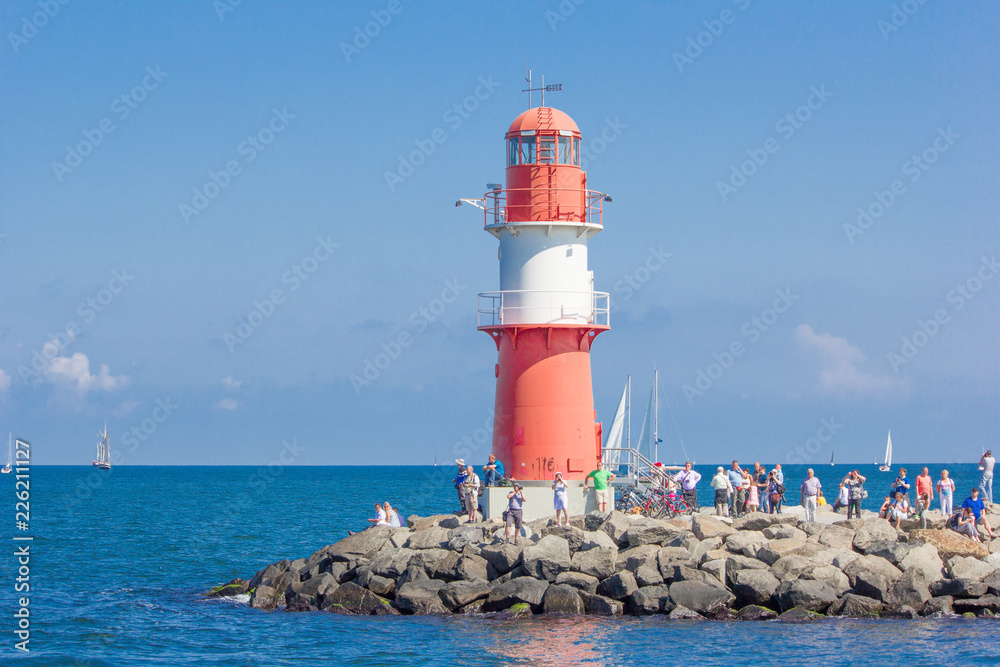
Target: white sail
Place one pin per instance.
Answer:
(888, 451)
(614, 438)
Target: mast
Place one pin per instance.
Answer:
(656, 416)
(628, 411)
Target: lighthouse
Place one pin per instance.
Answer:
(546, 315)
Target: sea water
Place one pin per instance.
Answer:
(119, 560)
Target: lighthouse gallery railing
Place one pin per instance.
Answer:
(543, 307)
(498, 212)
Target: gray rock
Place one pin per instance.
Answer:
(598, 562)
(562, 599)
(871, 532)
(910, 590)
(263, 597)
(977, 605)
(412, 573)
(891, 550)
(592, 520)
(684, 614)
(459, 537)
(760, 521)
(831, 576)
(461, 593)
(683, 540)
(799, 615)
(634, 558)
(650, 600)
(775, 549)
(938, 606)
(445, 569)
(421, 597)
(756, 613)
(739, 541)
(578, 580)
(837, 537)
(616, 525)
(502, 557)
(363, 544)
(640, 535)
(782, 532)
(599, 605)
(871, 584)
(548, 558)
(350, 598)
(958, 588)
(969, 567)
(435, 537)
(874, 565)
(813, 596)
(755, 587)
(595, 539)
(716, 568)
(648, 575)
(391, 562)
(268, 574)
(417, 523)
(685, 573)
(429, 559)
(233, 587)
(669, 557)
(855, 606)
(705, 527)
(522, 589)
(899, 611)
(381, 586)
(618, 586)
(471, 567)
(399, 536)
(450, 522)
(574, 536)
(791, 567)
(992, 582)
(337, 570)
(700, 597)
(923, 557)
(811, 528)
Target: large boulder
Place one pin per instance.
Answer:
(616, 525)
(461, 593)
(573, 536)
(430, 538)
(872, 564)
(831, 576)
(836, 537)
(596, 539)
(909, 589)
(421, 597)
(233, 587)
(978, 605)
(638, 535)
(745, 542)
(891, 550)
(650, 600)
(618, 586)
(470, 566)
(814, 596)
(501, 557)
(704, 527)
(429, 559)
(716, 568)
(760, 521)
(417, 523)
(465, 534)
(581, 582)
(548, 558)
(871, 585)
(737, 563)
(350, 598)
(669, 557)
(949, 543)
(634, 558)
(363, 544)
(923, 557)
(521, 589)
(791, 566)
(391, 562)
(753, 612)
(775, 549)
(755, 587)
(599, 605)
(871, 532)
(264, 597)
(412, 573)
(938, 606)
(562, 599)
(783, 532)
(648, 575)
(958, 588)
(855, 606)
(598, 562)
(968, 567)
(700, 597)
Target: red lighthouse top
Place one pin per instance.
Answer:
(543, 119)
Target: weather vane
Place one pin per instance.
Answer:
(550, 87)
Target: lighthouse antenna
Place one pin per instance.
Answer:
(550, 87)
(527, 78)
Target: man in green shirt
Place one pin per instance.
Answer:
(601, 480)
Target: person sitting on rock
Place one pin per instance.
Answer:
(883, 511)
(379, 520)
(392, 516)
(493, 471)
(900, 509)
(976, 505)
(965, 523)
(843, 494)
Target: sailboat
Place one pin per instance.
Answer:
(621, 429)
(10, 456)
(888, 455)
(831, 457)
(103, 460)
(649, 438)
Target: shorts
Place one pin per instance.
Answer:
(721, 496)
(471, 502)
(560, 501)
(601, 495)
(514, 517)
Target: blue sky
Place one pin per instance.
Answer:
(170, 169)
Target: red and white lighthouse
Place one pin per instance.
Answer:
(546, 315)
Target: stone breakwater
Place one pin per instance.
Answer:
(757, 567)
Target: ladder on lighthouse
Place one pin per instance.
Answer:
(544, 198)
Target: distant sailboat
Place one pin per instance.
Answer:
(10, 456)
(103, 460)
(649, 436)
(620, 429)
(888, 455)
(831, 457)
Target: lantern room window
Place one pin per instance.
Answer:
(564, 150)
(527, 155)
(512, 152)
(576, 151)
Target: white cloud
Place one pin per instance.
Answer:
(229, 383)
(4, 381)
(74, 372)
(125, 407)
(839, 372)
(227, 404)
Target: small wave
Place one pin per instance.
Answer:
(242, 598)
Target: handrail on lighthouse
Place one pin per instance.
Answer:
(498, 212)
(561, 307)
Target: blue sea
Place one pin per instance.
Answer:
(119, 559)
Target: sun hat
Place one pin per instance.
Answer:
(460, 462)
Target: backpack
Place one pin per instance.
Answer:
(781, 489)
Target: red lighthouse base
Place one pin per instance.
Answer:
(544, 419)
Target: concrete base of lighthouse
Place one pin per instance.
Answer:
(538, 500)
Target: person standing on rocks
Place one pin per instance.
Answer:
(515, 512)
(688, 479)
(735, 476)
(901, 485)
(561, 499)
(975, 504)
(722, 490)
(986, 464)
(492, 471)
(602, 478)
(946, 492)
(471, 486)
(459, 481)
(925, 494)
(743, 497)
(811, 488)
(775, 493)
(855, 493)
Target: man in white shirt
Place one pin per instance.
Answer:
(471, 486)
(810, 490)
(688, 479)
